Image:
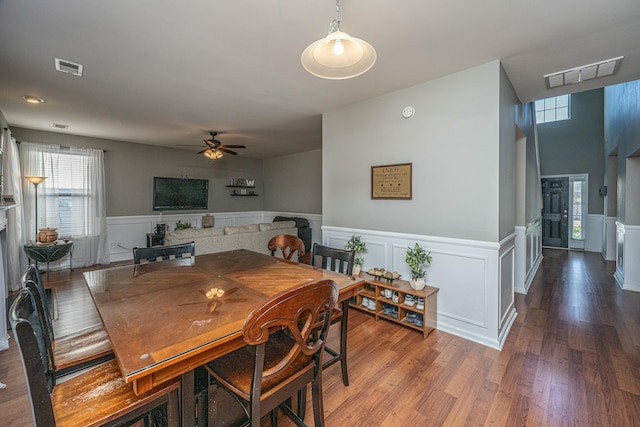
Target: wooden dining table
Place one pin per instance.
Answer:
(167, 318)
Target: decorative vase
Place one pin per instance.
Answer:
(47, 235)
(418, 284)
(356, 270)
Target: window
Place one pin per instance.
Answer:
(553, 109)
(576, 211)
(70, 196)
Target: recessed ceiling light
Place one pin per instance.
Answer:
(584, 72)
(33, 99)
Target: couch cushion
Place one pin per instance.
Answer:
(239, 229)
(198, 232)
(266, 226)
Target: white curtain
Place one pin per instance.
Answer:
(77, 174)
(12, 185)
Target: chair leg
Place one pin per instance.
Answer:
(302, 402)
(318, 406)
(343, 342)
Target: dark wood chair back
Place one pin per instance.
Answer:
(340, 260)
(163, 253)
(100, 395)
(286, 351)
(32, 274)
(25, 308)
(287, 244)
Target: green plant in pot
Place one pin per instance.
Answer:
(182, 225)
(417, 259)
(356, 245)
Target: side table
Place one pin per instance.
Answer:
(155, 239)
(47, 252)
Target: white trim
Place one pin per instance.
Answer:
(627, 273)
(528, 254)
(472, 277)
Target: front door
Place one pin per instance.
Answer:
(555, 216)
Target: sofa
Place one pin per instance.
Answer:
(254, 237)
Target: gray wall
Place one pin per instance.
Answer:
(577, 146)
(622, 136)
(293, 183)
(130, 169)
(452, 142)
(507, 145)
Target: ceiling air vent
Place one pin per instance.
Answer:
(585, 72)
(68, 67)
(60, 126)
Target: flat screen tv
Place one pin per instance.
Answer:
(172, 194)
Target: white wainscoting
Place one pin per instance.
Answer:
(594, 227)
(528, 244)
(475, 278)
(127, 232)
(627, 274)
(609, 246)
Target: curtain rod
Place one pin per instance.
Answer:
(62, 146)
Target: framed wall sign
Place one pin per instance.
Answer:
(391, 181)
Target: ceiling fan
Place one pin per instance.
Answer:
(215, 149)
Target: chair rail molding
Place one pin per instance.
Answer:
(475, 278)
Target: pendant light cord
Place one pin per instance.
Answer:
(335, 24)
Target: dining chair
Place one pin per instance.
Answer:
(163, 253)
(74, 351)
(341, 261)
(287, 244)
(282, 355)
(94, 397)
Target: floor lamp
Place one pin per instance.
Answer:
(35, 180)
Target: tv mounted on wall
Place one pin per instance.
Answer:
(172, 194)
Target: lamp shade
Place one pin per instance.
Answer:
(35, 179)
(212, 154)
(338, 56)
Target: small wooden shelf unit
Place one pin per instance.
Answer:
(374, 289)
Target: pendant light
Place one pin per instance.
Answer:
(338, 56)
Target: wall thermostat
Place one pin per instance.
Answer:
(408, 112)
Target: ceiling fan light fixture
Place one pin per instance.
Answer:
(338, 56)
(212, 154)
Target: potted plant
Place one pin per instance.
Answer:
(356, 245)
(417, 259)
(182, 225)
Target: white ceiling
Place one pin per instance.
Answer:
(166, 72)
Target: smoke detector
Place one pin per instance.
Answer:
(68, 67)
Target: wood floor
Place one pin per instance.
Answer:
(572, 358)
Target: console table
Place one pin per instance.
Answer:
(48, 252)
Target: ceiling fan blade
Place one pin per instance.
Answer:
(224, 150)
(210, 143)
(200, 152)
(233, 146)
